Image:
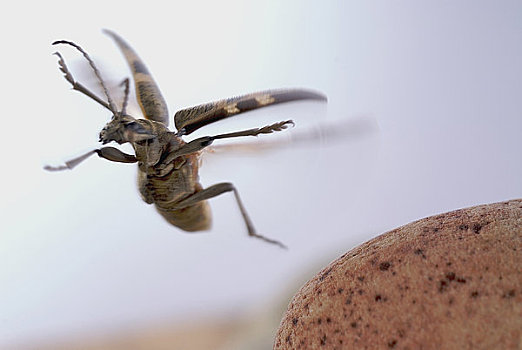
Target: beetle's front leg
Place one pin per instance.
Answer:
(202, 142)
(216, 190)
(109, 153)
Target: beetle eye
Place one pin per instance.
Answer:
(133, 126)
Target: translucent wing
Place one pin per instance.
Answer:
(148, 94)
(193, 118)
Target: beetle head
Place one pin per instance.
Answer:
(124, 128)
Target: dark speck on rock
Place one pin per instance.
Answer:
(476, 228)
(384, 266)
(450, 276)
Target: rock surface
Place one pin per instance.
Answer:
(450, 281)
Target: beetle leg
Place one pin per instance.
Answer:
(216, 190)
(279, 126)
(115, 155)
(323, 134)
(202, 142)
(109, 153)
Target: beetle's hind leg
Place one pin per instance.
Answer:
(216, 190)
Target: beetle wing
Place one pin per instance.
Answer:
(149, 96)
(193, 118)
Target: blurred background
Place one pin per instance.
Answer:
(424, 99)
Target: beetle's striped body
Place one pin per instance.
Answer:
(167, 165)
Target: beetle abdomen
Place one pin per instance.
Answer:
(197, 217)
(166, 193)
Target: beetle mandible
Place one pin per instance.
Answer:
(167, 165)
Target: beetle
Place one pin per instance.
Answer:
(167, 165)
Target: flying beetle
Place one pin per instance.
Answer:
(167, 165)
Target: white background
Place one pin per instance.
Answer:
(80, 252)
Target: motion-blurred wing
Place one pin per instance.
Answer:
(148, 94)
(193, 118)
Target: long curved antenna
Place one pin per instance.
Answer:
(76, 85)
(125, 84)
(112, 107)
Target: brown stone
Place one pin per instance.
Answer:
(450, 281)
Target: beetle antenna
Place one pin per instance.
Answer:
(95, 69)
(125, 83)
(76, 85)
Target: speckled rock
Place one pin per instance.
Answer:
(451, 281)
